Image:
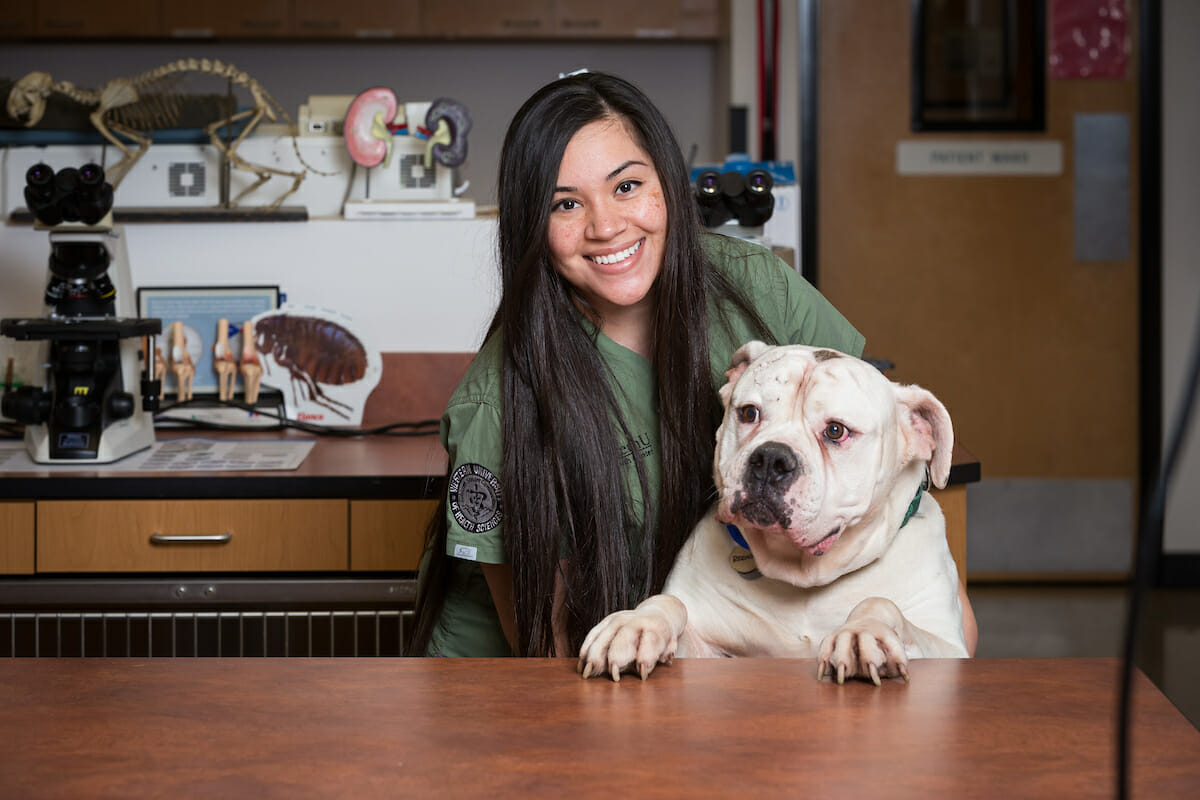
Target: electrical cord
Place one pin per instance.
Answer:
(425, 427)
(1147, 558)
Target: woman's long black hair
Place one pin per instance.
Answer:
(563, 485)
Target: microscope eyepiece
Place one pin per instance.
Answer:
(708, 187)
(91, 174)
(759, 182)
(41, 194)
(94, 197)
(723, 196)
(40, 176)
(760, 203)
(69, 195)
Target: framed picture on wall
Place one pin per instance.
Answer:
(978, 65)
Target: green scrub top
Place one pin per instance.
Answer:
(790, 307)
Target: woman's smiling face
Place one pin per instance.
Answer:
(608, 225)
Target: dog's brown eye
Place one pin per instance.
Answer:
(748, 415)
(835, 431)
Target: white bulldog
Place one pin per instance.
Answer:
(823, 541)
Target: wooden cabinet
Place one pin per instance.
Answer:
(574, 19)
(16, 538)
(358, 19)
(639, 19)
(702, 19)
(114, 19)
(388, 534)
(616, 18)
(189, 536)
(487, 19)
(16, 19)
(351, 19)
(192, 535)
(231, 19)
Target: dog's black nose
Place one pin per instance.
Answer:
(773, 465)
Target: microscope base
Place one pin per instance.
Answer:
(118, 440)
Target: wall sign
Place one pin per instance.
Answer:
(964, 157)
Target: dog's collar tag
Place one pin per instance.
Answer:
(740, 557)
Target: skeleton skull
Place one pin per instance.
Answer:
(28, 98)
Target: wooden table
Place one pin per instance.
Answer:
(364, 728)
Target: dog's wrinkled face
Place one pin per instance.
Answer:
(808, 446)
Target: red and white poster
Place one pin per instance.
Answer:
(1089, 39)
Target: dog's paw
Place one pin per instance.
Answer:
(631, 641)
(865, 648)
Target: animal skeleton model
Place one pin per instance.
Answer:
(128, 109)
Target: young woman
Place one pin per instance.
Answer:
(581, 439)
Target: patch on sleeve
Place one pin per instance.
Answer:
(474, 494)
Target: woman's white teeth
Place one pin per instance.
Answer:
(615, 257)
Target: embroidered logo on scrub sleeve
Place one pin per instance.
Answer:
(474, 494)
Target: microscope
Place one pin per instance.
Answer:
(731, 195)
(99, 393)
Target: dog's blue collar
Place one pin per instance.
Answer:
(740, 540)
(737, 537)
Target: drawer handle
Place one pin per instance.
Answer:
(199, 538)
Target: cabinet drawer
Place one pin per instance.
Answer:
(16, 538)
(388, 534)
(191, 535)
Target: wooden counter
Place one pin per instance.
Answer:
(387, 728)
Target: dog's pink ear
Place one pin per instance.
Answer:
(927, 430)
(742, 358)
(737, 365)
